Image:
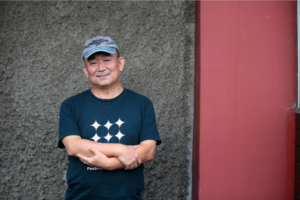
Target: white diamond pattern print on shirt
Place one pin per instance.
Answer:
(108, 125)
(96, 137)
(107, 137)
(96, 125)
(119, 135)
(119, 122)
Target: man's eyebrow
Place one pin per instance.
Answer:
(91, 58)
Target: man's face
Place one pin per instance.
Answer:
(103, 69)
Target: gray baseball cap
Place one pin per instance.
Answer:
(99, 44)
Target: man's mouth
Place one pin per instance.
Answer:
(102, 76)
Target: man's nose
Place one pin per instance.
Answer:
(101, 66)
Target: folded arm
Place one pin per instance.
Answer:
(145, 152)
(124, 153)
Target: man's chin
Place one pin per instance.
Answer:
(104, 84)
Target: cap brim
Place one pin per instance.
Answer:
(110, 50)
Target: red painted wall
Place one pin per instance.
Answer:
(247, 92)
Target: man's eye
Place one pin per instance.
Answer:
(93, 63)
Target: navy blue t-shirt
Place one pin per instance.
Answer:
(127, 119)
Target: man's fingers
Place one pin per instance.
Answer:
(129, 167)
(84, 159)
(81, 156)
(135, 165)
(139, 161)
(93, 150)
(132, 166)
(129, 157)
(84, 162)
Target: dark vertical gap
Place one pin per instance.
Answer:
(196, 131)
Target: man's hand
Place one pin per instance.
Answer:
(129, 157)
(97, 160)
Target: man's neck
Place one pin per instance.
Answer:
(107, 92)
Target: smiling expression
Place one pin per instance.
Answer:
(103, 69)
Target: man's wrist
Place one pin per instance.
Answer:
(113, 163)
(118, 150)
(108, 164)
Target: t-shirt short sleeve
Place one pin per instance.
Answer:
(149, 127)
(67, 122)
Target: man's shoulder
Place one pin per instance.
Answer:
(137, 96)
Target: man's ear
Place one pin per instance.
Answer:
(121, 62)
(85, 71)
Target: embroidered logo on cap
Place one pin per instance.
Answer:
(96, 42)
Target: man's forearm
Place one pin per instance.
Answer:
(75, 145)
(145, 151)
(115, 164)
(125, 153)
(100, 160)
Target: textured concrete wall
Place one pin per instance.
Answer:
(40, 66)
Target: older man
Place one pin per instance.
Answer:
(108, 131)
